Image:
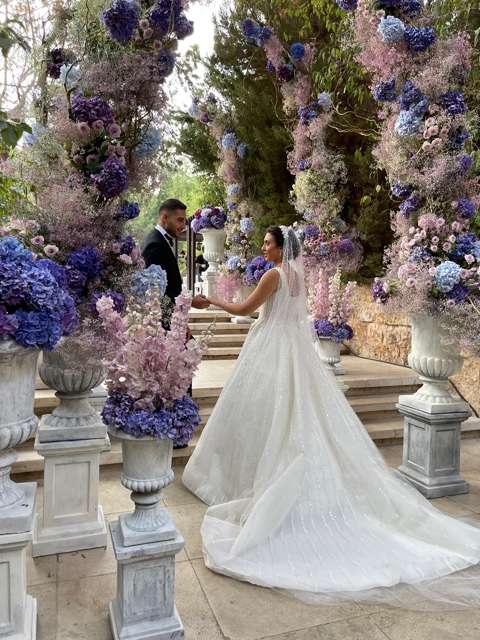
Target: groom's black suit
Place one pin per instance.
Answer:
(158, 250)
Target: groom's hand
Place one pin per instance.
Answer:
(200, 302)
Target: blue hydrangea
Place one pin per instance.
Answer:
(263, 36)
(183, 27)
(454, 103)
(410, 95)
(165, 63)
(112, 179)
(251, 30)
(128, 210)
(186, 419)
(14, 251)
(57, 271)
(233, 263)
(153, 279)
(69, 75)
(38, 329)
(391, 29)
(411, 8)
(347, 5)
(385, 91)
(418, 254)
(297, 51)
(247, 226)
(410, 205)
(121, 20)
(233, 189)
(464, 244)
(459, 293)
(242, 149)
(229, 140)
(303, 165)
(447, 275)
(324, 101)
(465, 163)
(466, 208)
(87, 260)
(400, 190)
(149, 143)
(419, 38)
(407, 124)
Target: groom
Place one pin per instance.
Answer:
(158, 247)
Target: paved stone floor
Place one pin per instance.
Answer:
(73, 590)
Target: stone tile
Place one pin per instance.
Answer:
(193, 607)
(469, 500)
(112, 495)
(247, 612)
(188, 519)
(416, 625)
(452, 508)
(83, 564)
(41, 570)
(83, 608)
(392, 454)
(46, 595)
(353, 629)
(176, 494)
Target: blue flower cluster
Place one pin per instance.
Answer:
(149, 143)
(309, 112)
(297, 51)
(419, 38)
(255, 270)
(255, 33)
(336, 333)
(418, 254)
(247, 226)
(128, 210)
(466, 208)
(409, 121)
(400, 190)
(35, 309)
(229, 140)
(391, 30)
(410, 205)
(242, 150)
(233, 263)
(87, 261)
(112, 179)
(447, 275)
(465, 163)
(465, 244)
(177, 422)
(121, 20)
(90, 110)
(410, 95)
(153, 279)
(454, 103)
(385, 91)
(347, 5)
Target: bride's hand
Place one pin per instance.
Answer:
(214, 301)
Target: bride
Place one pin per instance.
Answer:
(299, 497)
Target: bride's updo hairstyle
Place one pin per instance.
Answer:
(277, 234)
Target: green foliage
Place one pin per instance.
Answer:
(11, 130)
(10, 36)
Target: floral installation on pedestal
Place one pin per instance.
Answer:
(433, 266)
(332, 307)
(99, 137)
(320, 174)
(241, 210)
(36, 309)
(208, 218)
(149, 370)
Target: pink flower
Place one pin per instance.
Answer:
(410, 282)
(116, 247)
(83, 128)
(78, 159)
(435, 240)
(98, 125)
(452, 238)
(426, 146)
(144, 23)
(31, 226)
(434, 248)
(412, 230)
(125, 259)
(456, 226)
(91, 158)
(115, 130)
(469, 258)
(157, 45)
(148, 33)
(51, 250)
(440, 222)
(446, 246)
(437, 143)
(38, 241)
(432, 271)
(450, 303)
(120, 150)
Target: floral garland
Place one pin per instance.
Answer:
(332, 307)
(417, 79)
(100, 141)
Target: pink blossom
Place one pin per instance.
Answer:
(426, 146)
(456, 226)
(157, 45)
(450, 303)
(437, 143)
(120, 150)
(469, 258)
(432, 271)
(38, 241)
(446, 246)
(435, 240)
(125, 259)
(410, 282)
(115, 130)
(452, 238)
(434, 248)
(51, 250)
(98, 125)
(83, 128)
(440, 222)
(116, 247)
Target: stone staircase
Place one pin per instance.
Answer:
(373, 392)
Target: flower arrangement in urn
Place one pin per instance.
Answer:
(208, 218)
(255, 269)
(332, 307)
(150, 369)
(36, 309)
(425, 144)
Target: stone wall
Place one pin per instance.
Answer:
(387, 338)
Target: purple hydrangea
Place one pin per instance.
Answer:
(91, 109)
(8, 323)
(286, 72)
(466, 208)
(56, 58)
(345, 246)
(38, 329)
(121, 20)
(411, 8)
(57, 271)
(87, 261)
(419, 38)
(311, 232)
(297, 51)
(250, 29)
(69, 316)
(380, 291)
(464, 245)
(410, 205)
(186, 420)
(454, 103)
(128, 210)
(458, 138)
(76, 281)
(255, 269)
(116, 409)
(336, 333)
(112, 179)
(384, 91)
(465, 163)
(410, 95)
(400, 190)
(183, 27)
(418, 254)
(13, 286)
(347, 5)
(270, 67)
(459, 293)
(165, 62)
(127, 245)
(303, 165)
(119, 303)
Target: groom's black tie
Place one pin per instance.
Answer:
(169, 240)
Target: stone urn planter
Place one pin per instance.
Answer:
(145, 542)
(214, 252)
(70, 439)
(241, 296)
(17, 501)
(433, 417)
(329, 352)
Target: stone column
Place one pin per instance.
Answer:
(433, 417)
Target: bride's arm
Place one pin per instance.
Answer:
(266, 287)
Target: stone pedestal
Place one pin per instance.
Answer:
(431, 446)
(329, 353)
(209, 285)
(18, 610)
(72, 518)
(144, 608)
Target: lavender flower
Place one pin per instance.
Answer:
(454, 103)
(112, 179)
(465, 163)
(347, 5)
(183, 27)
(380, 291)
(384, 91)
(121, 20)
(410, 205)
(91, 109)
(324, 101)
(119, 303)
(400, 190)
(391, 29)
(419, 39)
(186, 419)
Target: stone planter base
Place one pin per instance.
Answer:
(18, 610)
(242, 320)
(144, 608)
(72, 518)
(19, 517)
(431, 447)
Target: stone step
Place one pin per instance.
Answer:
(222, 353)
(220, 327)
(227, 340)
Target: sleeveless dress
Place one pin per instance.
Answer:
(301, 499)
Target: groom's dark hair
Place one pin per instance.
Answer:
(171, 205)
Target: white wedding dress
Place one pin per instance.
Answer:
(301, 499)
